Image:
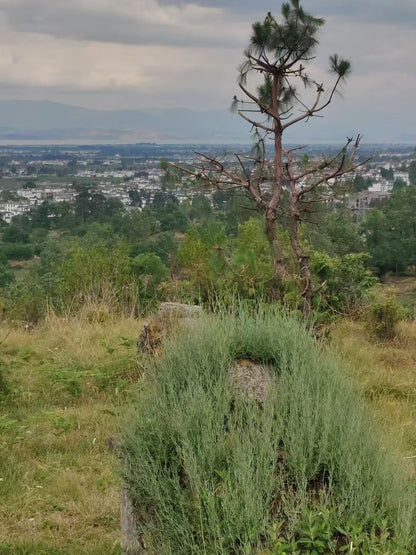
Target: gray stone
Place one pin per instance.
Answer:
(179, 310)
(130, 541)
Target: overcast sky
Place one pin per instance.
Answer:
(164, 54)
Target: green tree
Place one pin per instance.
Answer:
(200, 208)
(94, 206)
(14, 234)
(336, 234)
(387, 173)
(390, 232)
(172, 218)
(345, 281)
(150, 270)
(139, 225)
(278, 54)
(136, 198)
(399, 183)
(412, 172)
(164, 245)
(361, 183)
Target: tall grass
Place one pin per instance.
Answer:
(66, 384)
(210, 471)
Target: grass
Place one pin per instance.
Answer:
(385, 374)
(210, 471)
(64, 388)
(214, 472)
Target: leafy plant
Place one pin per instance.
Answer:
(383, 316)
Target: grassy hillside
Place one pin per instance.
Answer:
(64, 387)
(385, 374)
(65, 390)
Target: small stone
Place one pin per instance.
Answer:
(250, 378)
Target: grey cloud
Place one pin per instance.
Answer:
(369, 11)
(377, 35)
(73, 22)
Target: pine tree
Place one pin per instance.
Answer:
(278, 54)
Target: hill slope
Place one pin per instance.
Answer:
(42, 120)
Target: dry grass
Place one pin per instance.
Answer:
(386, 375)
(404, 288)
(68, 381)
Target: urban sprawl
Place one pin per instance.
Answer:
(30, 176)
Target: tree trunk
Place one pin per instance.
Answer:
(277, 255)
(304, 264)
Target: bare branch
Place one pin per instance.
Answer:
(255, 123)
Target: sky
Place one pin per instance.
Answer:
(152, 54)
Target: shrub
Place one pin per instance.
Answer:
(383, 316)
(16, 251)
(150, 271)
(24, 301)
(211, 471)
(4, 388)
(344, 282)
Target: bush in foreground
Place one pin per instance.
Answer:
(212, 471)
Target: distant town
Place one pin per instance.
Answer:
(30, 176)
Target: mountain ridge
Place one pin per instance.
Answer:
(42, 119)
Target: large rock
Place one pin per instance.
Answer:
(179, 310)
(166, 319)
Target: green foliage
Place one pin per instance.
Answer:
(139, 225)
(390, 232)
(25, 301)
(336, 234)
(200, 208)
(412, 172)
(163, 244)
(96, 274)
(16, 251)
(387, 173)
(6, 275)
(399, 183)
(252, 263)
(383, 315)
(361, 183)
(13, 234)
(92, 206)
(344, 282)
(292, 40)
(27, 548)
(210, 467)
(29, 185)
(318, 532)
(172, 218)
(150, 270)
(200, 261)
(4, 387)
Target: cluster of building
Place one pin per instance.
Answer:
(29, 198)
(140, 170)
(380, 189)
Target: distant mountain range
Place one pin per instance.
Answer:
(31, 122)
(22, 120)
